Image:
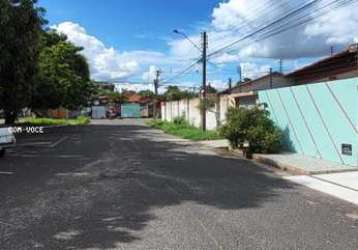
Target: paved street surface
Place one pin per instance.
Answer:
(121, 185)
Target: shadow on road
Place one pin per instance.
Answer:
(99, 188)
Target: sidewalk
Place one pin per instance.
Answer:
(334, 179)
(341, 185)
(302, 164)
(292, 162)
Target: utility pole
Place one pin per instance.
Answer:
(230, 83)
(281, 66)
(156, 86)
(203, 50)
(270, 78)
(156, 82)
(204, 58)
(239, 71)
(332, 50)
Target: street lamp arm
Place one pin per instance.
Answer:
(188, 39)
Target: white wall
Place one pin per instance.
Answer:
(189, 109)
(224, 106)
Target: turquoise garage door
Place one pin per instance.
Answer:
(130, 111)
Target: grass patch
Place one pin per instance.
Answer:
(182, 129)
(31, 121)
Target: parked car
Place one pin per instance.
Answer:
(7, 140)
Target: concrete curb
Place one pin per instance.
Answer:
(290, 168)
(297, 170)
(282, 166)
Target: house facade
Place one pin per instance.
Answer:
(245, 95)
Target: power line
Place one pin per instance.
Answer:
(262, 15)
(291, 13)
(270, 29)
(182, 72)
(291, 24)
(340, 3)
(190, 66)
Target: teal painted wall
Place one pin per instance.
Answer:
(130, 111)
(317, 118)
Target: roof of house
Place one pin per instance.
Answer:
(136, 98)
(337, 64)
(274, 74)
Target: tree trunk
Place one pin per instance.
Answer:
(10, 118)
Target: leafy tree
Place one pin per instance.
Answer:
(211, 89)
(20, 26)
(188, 94)
(117, 98)
(63, 78)
(146, 93)
(173, 93)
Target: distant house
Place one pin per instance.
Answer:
(340, 66)
(144, 105)
(245, 94)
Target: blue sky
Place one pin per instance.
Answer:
(134, 24)
(127, 40)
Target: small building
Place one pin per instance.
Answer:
(343, 65)
(245, 94)
(99, 108)
(142, 105)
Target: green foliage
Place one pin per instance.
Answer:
(181, 128)
(37, 68)
(146, 93)
(253, 126)
(211, 90)
(20, 27)
(80, 121)
(117, 98)
(180, 122)
(173, 93)
(63, 79)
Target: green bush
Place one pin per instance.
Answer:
(180, 121)
(253, 126)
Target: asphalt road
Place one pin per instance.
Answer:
(131, 187)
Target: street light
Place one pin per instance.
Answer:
(187, 38)
(203, 52)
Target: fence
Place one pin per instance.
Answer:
(189, 109)
(318, 120)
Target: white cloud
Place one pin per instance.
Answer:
(150, 75)
(231, 20)
(182, 49)
(338, 27)
(106, 63)
(225, 58)
(240, 17)
(133, 86)
(219, 84)
(254, 70)
(139, 87)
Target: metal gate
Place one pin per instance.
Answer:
(130, 111)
